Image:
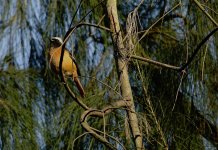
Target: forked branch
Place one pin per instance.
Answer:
(101, 113)
(184, 66)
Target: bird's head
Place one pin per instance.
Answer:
(56, 41)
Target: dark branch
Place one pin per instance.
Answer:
(197, 49)
(80, 3)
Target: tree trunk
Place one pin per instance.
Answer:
(122, 65)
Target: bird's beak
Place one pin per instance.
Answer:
(50, 39)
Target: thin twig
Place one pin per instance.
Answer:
(73, 96)
(70, 31)
(158, 21)
(177, 92)
(203, 63)
(99, 22)
(110, 137)
(206, 13)
(101, 113)
(75, 13)
(105, 84)
(160, 32)
(183, 73)
(198, 49)
(189, 61)
(97, 26)
(104, 125)
(210, 8)
(96, 135)
(78, 138)
(151, 108)
(155, 62)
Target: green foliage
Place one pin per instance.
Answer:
(32, 100)
(18, 91)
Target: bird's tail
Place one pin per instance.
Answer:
(79, 86)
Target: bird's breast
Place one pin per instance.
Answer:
(68, 66)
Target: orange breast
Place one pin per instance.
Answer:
(68, 66)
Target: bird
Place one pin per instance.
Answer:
(69, 65)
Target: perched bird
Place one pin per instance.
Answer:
(69, 65)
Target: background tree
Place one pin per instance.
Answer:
(176, 110)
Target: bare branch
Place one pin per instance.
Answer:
(78, 138)
(96, 135)
(210, 9)
(105, 84)
(96, 25)
(101, 19)
(83, 105)
(197, 49)
(80, 3)
(203, 63)
(206, 13)
(101, 113)
(110, 137)
(154, 62)
(157, 22)
(159, 32)
(106, 110)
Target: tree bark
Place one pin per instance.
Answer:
(122, 67)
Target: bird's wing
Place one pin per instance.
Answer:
(74, 60)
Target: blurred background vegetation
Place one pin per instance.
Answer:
(37, 113)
